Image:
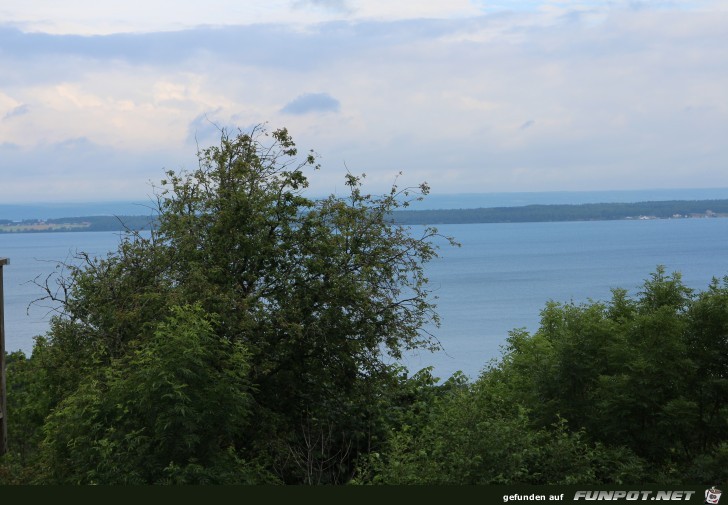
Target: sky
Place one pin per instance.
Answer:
(98, 99)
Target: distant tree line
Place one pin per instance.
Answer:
(529, 213)
(564, 212)
(112, 223)
(84, 223)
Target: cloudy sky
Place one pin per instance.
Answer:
(97, 99)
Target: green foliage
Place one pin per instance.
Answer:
(28, 402)
(473, 435)
(635, 372)
(317, 290)
(169, 410)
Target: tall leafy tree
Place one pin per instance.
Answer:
(321, 294)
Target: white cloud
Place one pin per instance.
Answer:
(94, 17)
(88, 17)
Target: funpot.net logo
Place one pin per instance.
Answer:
(634, 495)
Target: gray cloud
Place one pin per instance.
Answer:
(311, 102)
(527, 124)
(265, 45)
(159, 48)
(18, 111)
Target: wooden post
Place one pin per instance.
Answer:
(3, 403)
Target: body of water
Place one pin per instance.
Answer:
(33, 258)
(500, 279)
(503, 275)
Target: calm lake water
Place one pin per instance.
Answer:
(498, 280)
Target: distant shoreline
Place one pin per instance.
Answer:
(80, 223)
(672, 209)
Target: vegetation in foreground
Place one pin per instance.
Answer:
(249, 340)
